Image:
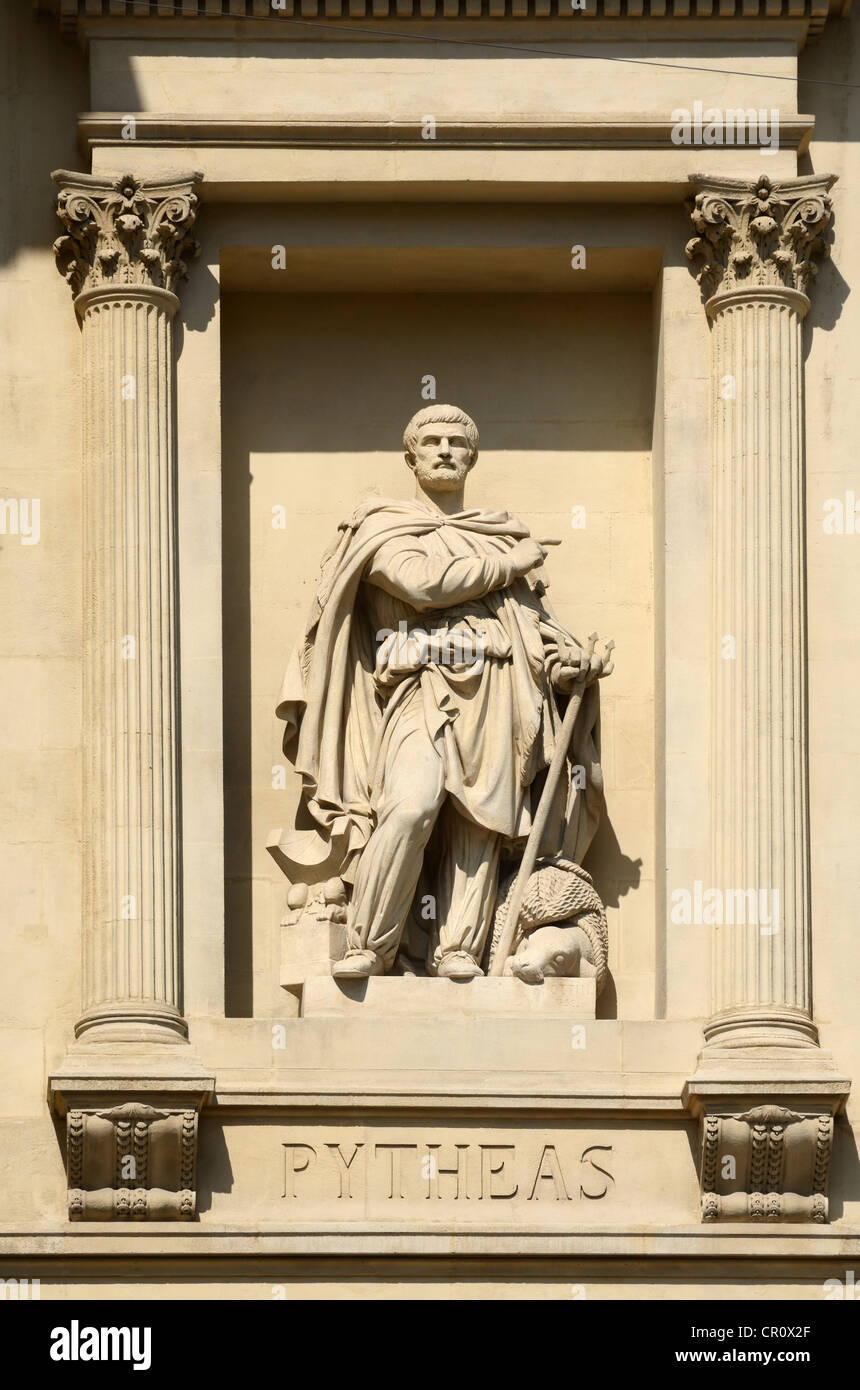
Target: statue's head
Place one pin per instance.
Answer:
(441, 445)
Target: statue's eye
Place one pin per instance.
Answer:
(558, 958)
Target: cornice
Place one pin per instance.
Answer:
(257, 19)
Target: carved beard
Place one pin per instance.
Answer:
(441, 479)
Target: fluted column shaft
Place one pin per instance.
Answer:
(122, 254)
(758, 243)
(131, 868)
(761, 837)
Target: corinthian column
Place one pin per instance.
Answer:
(123, 253)
(764, 1091)
(758, 244)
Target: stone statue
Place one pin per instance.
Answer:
(422, 707)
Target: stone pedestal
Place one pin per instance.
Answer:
(390, 996)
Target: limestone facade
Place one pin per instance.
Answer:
(282, 230)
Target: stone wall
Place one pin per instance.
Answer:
(553, 1131)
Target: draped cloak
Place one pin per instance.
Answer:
(338, 711)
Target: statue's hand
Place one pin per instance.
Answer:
(571, 664)
(564, 675)
(526, 555)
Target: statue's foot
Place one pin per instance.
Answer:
(458, 965)
(357, 965)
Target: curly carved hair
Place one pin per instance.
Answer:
(439, 415)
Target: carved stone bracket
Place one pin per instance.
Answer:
(762, 236)
(131, 1162)
(766, 1145)
(767, 1164)
(123, 232)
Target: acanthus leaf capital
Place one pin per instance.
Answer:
(121, 230)
(765, 234)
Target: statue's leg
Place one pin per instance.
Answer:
(413, 789)
(468, 877)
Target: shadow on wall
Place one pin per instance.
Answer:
(46, 84)
(844, 1167)
(830, 67)
(828, 293)
(214, 1169)
(238, 850)
(615, 875)
(198, 295)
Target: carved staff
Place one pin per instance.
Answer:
(553, 777)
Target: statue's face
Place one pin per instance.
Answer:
(442, 457)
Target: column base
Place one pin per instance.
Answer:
(133, 1023)
(757, 1028)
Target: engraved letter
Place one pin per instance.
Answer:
(489, 1170)
(343, 1167)
(596, 1148)
(292, 1166)
(459, 1172)
(553, 1174)
(394, 1151)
